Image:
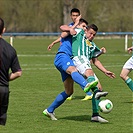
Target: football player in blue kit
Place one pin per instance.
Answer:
(73, 14)
(69, 73)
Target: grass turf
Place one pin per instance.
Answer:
(41, 82)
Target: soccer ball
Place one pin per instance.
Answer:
(105, 106)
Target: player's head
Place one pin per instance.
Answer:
(82, 24)
(91, 31)
(74, 14)
(1, 25)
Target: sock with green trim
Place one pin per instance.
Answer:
(129, 83)
(90, 79)
(95, 107)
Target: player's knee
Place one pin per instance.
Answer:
(122, 76)
(71, 69)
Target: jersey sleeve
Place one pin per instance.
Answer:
(71, 24)
(78, 31)
(96, 52)
(15, 66)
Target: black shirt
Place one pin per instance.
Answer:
(8, 60)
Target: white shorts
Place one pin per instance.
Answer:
(129, 64)
(81, 63)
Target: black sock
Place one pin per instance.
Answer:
(95, 114)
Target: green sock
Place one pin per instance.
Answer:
(94, 89)
(129, 82)
(90, 79)
(95, 103)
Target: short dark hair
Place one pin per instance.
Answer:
(1, 25)
(75, 10)
(92, 26)
(83, 21)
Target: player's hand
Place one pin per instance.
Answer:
(72, 31)
(77, 20)
(50, 46)
(130, 49)
(110, 74)
(103, 49)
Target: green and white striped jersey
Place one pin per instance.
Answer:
(82, 46)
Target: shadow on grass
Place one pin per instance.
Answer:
(130, 102)
(83, 118)
(78, 118)
(78, 97)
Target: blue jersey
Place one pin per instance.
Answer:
(71, 24)
(63, 57)
(66, 44)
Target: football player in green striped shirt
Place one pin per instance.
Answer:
(84, 50)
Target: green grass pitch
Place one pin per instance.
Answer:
(40, 83)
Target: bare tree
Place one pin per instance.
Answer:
(48, 15)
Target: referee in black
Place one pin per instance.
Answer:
(8, 61)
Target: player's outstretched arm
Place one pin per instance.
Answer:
(130, 49)
(103, 50)
(53, 43)
(99, 65)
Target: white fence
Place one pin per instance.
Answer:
(57, 33)
(125, 34)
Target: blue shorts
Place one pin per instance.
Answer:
(62, 61)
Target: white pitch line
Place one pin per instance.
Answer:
(51, 68)
(33, 55)
(46, 55)
(117, 55)
(34, 69)
(37, 64)
(114, 66)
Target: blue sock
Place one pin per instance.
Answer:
(79, 79)
(57, 102)
(89, 93)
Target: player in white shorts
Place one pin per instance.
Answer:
(127, 68)
(84, 50)
(82, 67)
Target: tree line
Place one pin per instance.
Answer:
(48, 15)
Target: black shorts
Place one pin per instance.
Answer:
(4, 100)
